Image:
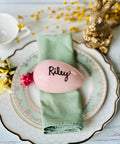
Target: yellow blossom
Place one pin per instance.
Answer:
(33, 15)
(20, 17)
(57, 17)
(84, 28)
(79, 21)
(76, 14)
(53, 11)
(69, 9)
(61, 14)
(72, 28)
(65, 19)
(33, 33)
(19, 26)
(83, 9)
(50, 16)
(86, 18)
(17, 41)
(46, 27)
(59, 8)
(38, 12)
(80, 16)
(57, 26)
(37, 17)
(6, 74)
(77, 3)
(63, 31)
(72, 15)
(90, 4)
(48, 8)
(68, 21)
(72, 19)
(22, 25)
(66, 15)
(77, 7)
(65, 2)
(2, 86)
(76, 29)
(72, 2)
(85, 0)
(41, 11)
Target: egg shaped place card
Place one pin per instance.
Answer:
(57, 77)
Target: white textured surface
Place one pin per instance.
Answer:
(36, 1)
(111, 132)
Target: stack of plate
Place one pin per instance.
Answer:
(98, 93)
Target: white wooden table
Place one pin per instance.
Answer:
(111, 132)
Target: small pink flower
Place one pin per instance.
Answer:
(26, 80)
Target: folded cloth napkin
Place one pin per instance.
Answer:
(61, 112)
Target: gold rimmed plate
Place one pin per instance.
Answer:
(91, 125)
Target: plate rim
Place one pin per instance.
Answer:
(115, 102)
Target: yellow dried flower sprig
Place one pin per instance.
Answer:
(77, 13)
(37, 15)
(114, 15)
(6, 74)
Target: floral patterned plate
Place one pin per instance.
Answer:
(26, 100)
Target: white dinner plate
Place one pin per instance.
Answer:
(91, 126)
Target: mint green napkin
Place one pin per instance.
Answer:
(60, 112)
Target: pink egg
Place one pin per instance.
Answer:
(57, 77)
